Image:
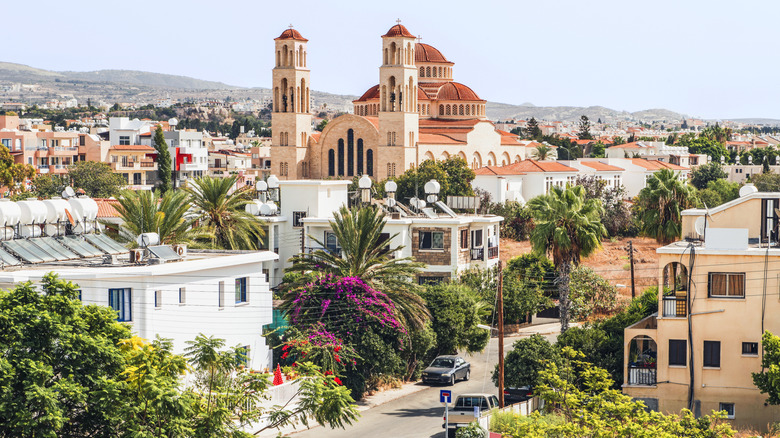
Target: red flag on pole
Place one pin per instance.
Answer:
(278, 376)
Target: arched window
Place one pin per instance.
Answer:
(360, 156)
(441, 109)
(370, 162)
(350, 152)
(468, 110)
(422, 71)
(341, 156)
(331, 163)
(460, 110)
(448, 110)
(278, 58)
(428, 71)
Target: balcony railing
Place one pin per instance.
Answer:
(676, 307)
(147, 163)
(477, 253)
(493, 252)
(641, 374)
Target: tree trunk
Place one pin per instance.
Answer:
(564, 304)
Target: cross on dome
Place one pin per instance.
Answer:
(398, 21)
(291, 26)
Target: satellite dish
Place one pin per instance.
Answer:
(68, 192)
(390, 202)
(700, 225)
(747, 189)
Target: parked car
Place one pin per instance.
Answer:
(517, 395)
(447, 369)
(463, 412)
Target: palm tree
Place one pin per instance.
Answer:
(145, 212)
(220, 213)
(366, 254)
(542, 152)
(661, 204)
(569, 226)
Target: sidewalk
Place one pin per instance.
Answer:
(541, 329)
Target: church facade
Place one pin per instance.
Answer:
(417, 112)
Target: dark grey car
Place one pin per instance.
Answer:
(447, 369)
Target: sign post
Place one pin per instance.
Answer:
(445, 396)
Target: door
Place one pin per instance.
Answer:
(137, 179)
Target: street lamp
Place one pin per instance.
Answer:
(273, 187)
(364, 183)
(432, 188)
(390, 189)
(262, 190)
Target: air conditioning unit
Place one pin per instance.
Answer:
(180, 249)
(137, 255)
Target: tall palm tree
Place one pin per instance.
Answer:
(569, 226)
(661, 204)
(220, 213)
(367, 255)
(145, 212)
(542, 152)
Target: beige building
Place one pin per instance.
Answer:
(417, 112)
(135, 164)
(722, 286)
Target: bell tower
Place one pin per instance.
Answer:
(398, 116)
(291, 116)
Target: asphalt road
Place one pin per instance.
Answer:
(420, 415)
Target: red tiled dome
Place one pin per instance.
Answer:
(291, 34)
(399, 30)
(422, 95)
(456, 91)
(371, 93)
(427, 53)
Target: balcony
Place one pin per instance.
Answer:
(477, 253)
(675, 306)
(493, 252)
(642, 374)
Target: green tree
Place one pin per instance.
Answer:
(768, 380)
(60, 367)
(454, 317)
(567, 225)
(145, 212)
(661, 204)
(702, 175)
(584, 131)
(96, 179)
(219, 211)
(367, 255)
(617, 140)
(591, 294)
(12, 175)
(543, 152)
(766, 182)
(453, 174)
(525, 360)
(532, 129)
(528, 282)
(321, 126)
(617, 218)
(599, 150)
(47, 185)
(163, 160)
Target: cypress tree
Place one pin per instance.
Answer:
(163, 160)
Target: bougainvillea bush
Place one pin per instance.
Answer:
(345, 311)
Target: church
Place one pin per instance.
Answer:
(417, 112)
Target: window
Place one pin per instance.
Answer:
(79, 291)
(476, 239)
(242, 354)
(677, 352)
(124, 140)
(429, 279)
(298, 218)
(729, 408)
(770, 219)
(331, 242)
(464, 239)
(370, 162)
(431, 240)
(712, 354)
(241, 290)
(157, 299)
(727, 285)
(341, 157)
(548, 183)
(750, 348)
(7, 143)
(221, 294)
(119, 300)
(182, 295)
(331, 162)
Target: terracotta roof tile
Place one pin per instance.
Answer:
(315, 136)
(399, 30)
(526, 166)
(439, 139)
(106, 207)
(133, 147)
(456, 91)
(291, 34)
(655, 164)
(428, 53)
(601, 167)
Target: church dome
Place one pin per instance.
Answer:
(422, 95)
(371, 93)
(456, 91)
(291, 34)
(427, 53)
(399, 30)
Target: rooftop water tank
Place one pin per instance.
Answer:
(83, 208)
(10, 213)
(268, 209)
(33, 211)
(253, 207)
(55, 209)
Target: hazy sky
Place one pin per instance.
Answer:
(712, 59)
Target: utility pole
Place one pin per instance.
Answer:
(631, 258)
(500, 305)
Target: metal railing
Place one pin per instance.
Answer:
(477, 253)
(493, 252)
(676, 307)
(642, 374)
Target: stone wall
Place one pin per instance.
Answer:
(438, 257)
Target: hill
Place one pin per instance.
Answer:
(148, 79)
